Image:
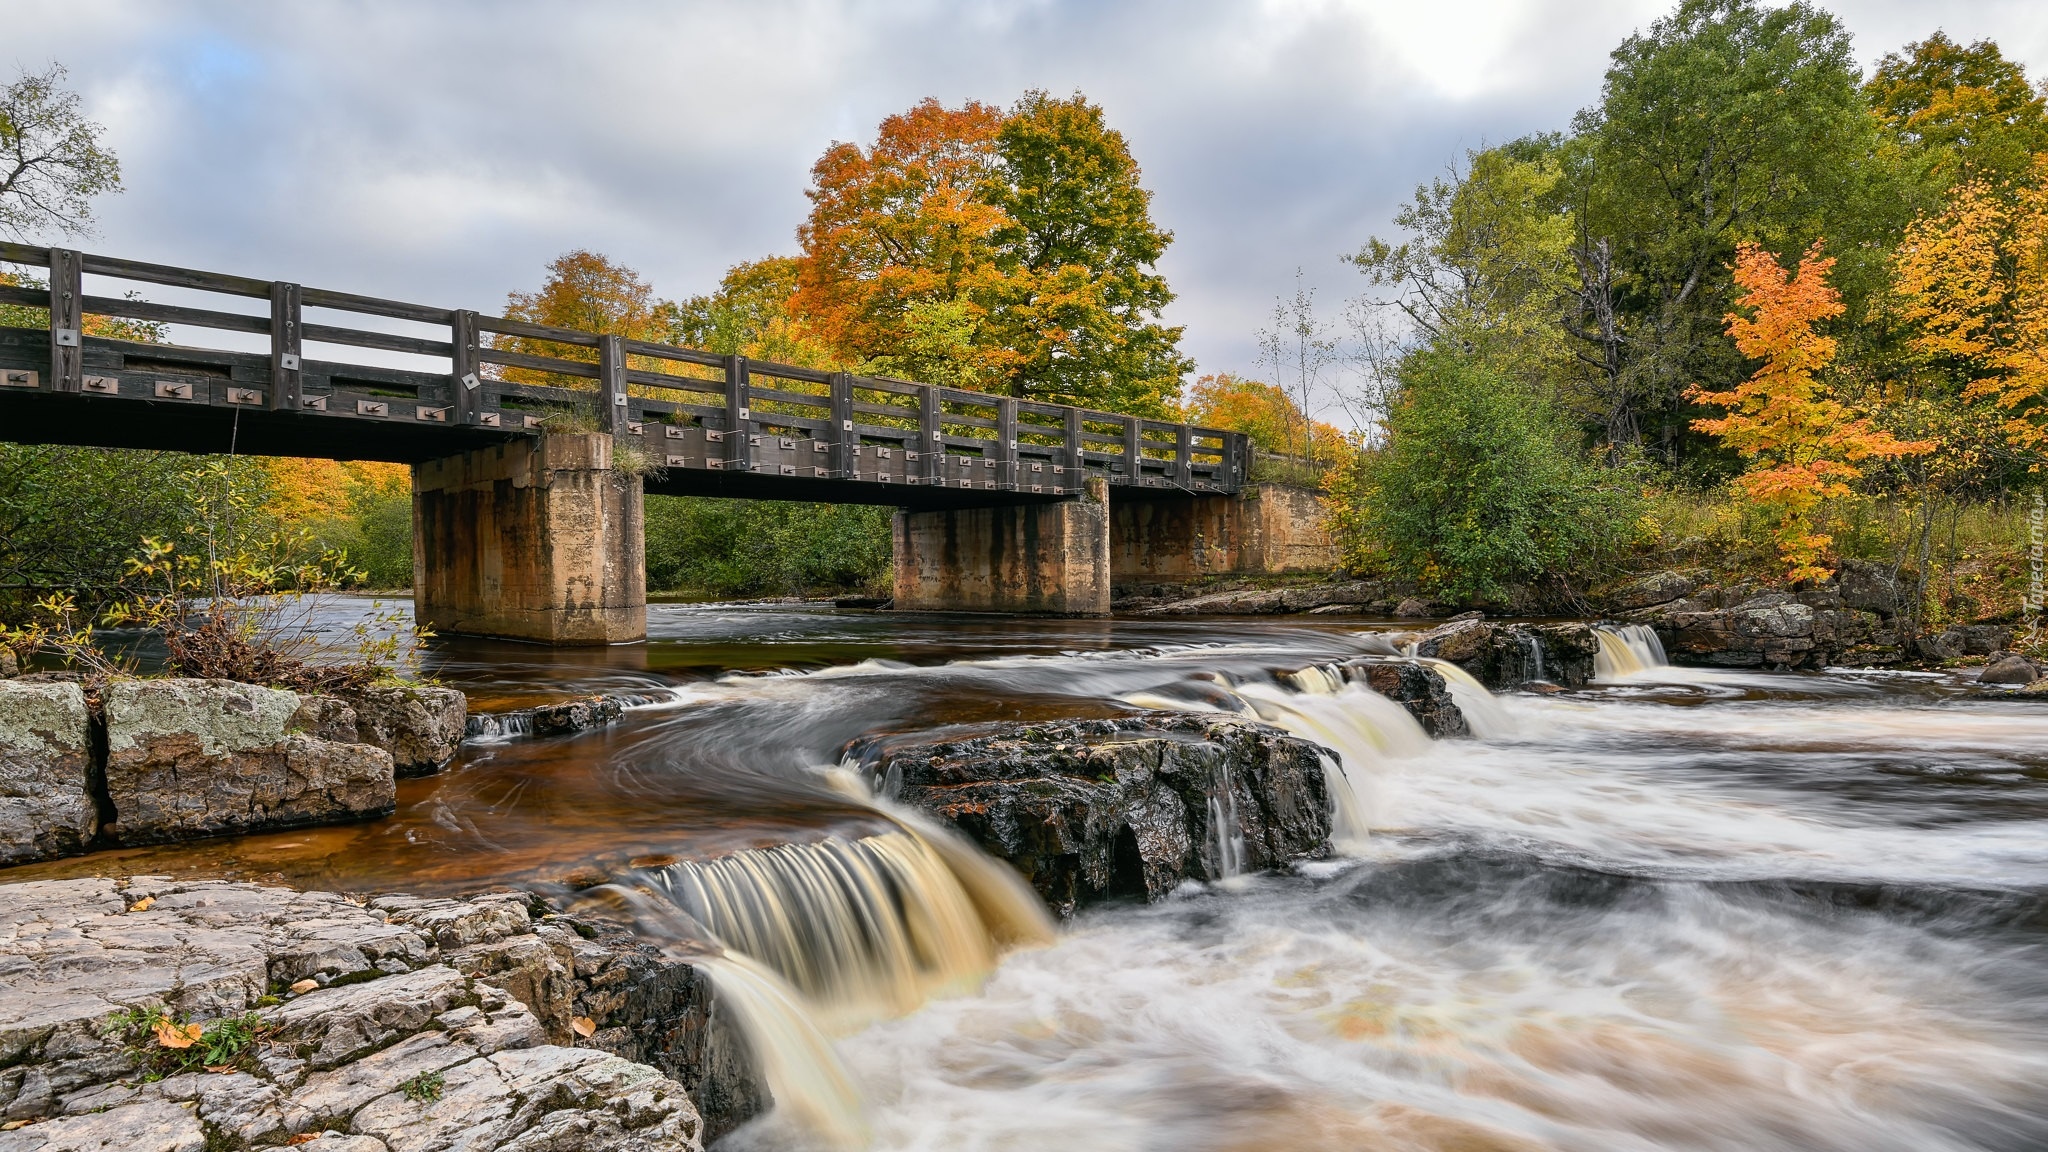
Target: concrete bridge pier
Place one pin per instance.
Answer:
(536, 539)
(1049, 559)
(1263, 529)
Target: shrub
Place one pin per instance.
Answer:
(1479, 487)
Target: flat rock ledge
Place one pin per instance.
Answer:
(427, 1025)
(161, 760)
(1093, 810)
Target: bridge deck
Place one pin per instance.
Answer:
(704, 423)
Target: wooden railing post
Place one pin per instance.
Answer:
(1237, 451)
(1134, 461)
(1183, 456)
(286, 330)
(466, 382)
(930, 446)
(1077, 460)
(67, 320)
(844, 438)
(611, 385)
(1006, 442)
(739, 454)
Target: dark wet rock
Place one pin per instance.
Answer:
(420, 726)
(1871, 587)
(193, 758)
(46, 801)
(1422, 691)
(550, 719)
(1508, 655)
(388, 1007)
(1099, 809)
(9, 666)
(1331, 597)
(1981, 639)
(2009, 670)
(1416, 608)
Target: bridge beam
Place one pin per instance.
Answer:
(538, 540)
(1156, 535)
(1051, 559)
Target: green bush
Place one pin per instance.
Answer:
(1479, 487)
(376, 533)
(764, 547)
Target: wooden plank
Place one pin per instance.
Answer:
(673, 352)
(177, 314)
(177, 277)
(538, 363)
(844, 438)
(1006, 442)
(739, 425)
(373, 306)
(756, 394)
(67, 321)
(26, 297)
(787, 372)
(384, 341)
(887, 384)
(29, 254)
(679, 383)
(287, 384)
(611, 385)
(536, 331)
(1075, 454)
(928, 428)
(465, 373)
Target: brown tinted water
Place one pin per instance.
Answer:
(1680, 910)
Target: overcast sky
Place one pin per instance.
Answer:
(444, 152)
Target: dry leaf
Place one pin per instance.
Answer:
(220, 1067)
(142, 905)
(176, 1035)
(11, 1125)
(303, 1138)
(584, 1026)
(304, 986)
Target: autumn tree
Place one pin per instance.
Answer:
(1972, 281)
(1263, 412)
(1082, 295)
(1965, 111)
(1007, 252)
(586, 292)
(1803, 445)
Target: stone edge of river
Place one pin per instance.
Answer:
(521, 1023)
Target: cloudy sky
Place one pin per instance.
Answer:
(443, 152)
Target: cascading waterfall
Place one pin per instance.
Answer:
(1484, 713)
(1229, 833)
(1332, 706)
(1627, 650)
(810, 939)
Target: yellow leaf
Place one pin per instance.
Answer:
(584, 1026)
(304, 986)
(176, 1035)
(142, 905)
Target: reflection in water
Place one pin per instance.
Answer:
(1681, 909)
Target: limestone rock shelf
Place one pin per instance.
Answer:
(420, 1024)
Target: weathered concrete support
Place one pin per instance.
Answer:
(1266, 528)
(534, 540)
(1045, 558)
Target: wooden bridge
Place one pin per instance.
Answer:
(532, 445)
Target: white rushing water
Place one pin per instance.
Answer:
(1609, 922)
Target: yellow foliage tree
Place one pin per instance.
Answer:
(1803, 445)
(1264, 412)
(1973, 284)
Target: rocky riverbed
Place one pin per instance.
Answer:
(153, 1015)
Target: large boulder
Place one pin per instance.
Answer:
(1422, 691)
(193, 758)
(421, 727)
(1871, 587)
(1656, 588)
(46, 805)
(406, 1051)
(2009, 670)
(1507, 655)
(1096, 809)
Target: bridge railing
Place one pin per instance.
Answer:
(687, 408)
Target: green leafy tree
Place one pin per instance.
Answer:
(1725, 121)
(51, 161)
(1478, 487)
(762, 547)
(1083, 298)
(1963, 112)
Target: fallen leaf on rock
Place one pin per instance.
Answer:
(142, 905)
(220, 1067)
(584, 1026)
(176, 1035)
(11, 1125)
(304, 986)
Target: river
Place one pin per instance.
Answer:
(1680, 910)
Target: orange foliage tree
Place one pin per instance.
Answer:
(1973, 284)
(1264, 412)
(588, 292)
(1803, 445)
(899, 261)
